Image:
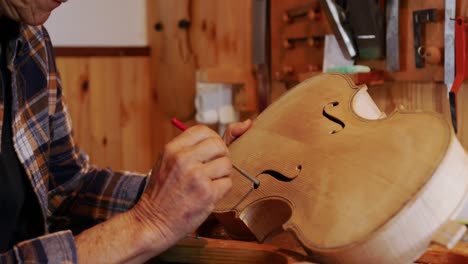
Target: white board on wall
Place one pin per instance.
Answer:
(99, 23)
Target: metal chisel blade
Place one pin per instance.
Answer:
(393, 37)
(449, 43)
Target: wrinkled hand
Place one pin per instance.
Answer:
(235, 130)
(185, 184)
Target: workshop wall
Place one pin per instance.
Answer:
(124, 130)
(111, 107)
(104, 62)
(208, 37)
(410, 87)
(121, 106)
(99, 23)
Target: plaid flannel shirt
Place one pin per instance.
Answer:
(73, 194)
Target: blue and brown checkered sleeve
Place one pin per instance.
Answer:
(57, 247)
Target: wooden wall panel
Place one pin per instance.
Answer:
(105, 80)
(75, 82)
(110, 103)
(219, 37)
(221, 33)
(136, 115)
(173, 58)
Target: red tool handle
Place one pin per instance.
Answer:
(460, 66)
(178, 124)
(460, 54)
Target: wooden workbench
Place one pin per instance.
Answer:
(219, 251)
(440, 255)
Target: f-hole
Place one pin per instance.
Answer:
(332, 118)
(281, 177)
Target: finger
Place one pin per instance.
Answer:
(217, 168)
(235, 130)
(221, 187)
(208, 149)
(190, 137)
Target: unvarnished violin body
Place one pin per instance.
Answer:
(351, 189)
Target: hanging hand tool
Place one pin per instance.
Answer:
(354, 25)
(335, 16)
(261, 51)
(393, 35)
(366, 20)
(460, 66)
(449, 43)
(419, 18)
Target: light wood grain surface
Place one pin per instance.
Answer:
(322, 169)
(110, 103)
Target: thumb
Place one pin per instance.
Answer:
(235, 130)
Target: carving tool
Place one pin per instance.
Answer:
(255, 181)
(334, 14)
(419, 18)
(460, 67)
(261, 51)
(393, 35)
(449, 43)
(367, 27)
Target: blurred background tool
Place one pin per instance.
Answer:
(449, 43)
(421, 17)
(261, 51)
(335, 16)
(393, 35)
(460, 67)
(366, 20)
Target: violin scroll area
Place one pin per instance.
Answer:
(333, 118)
